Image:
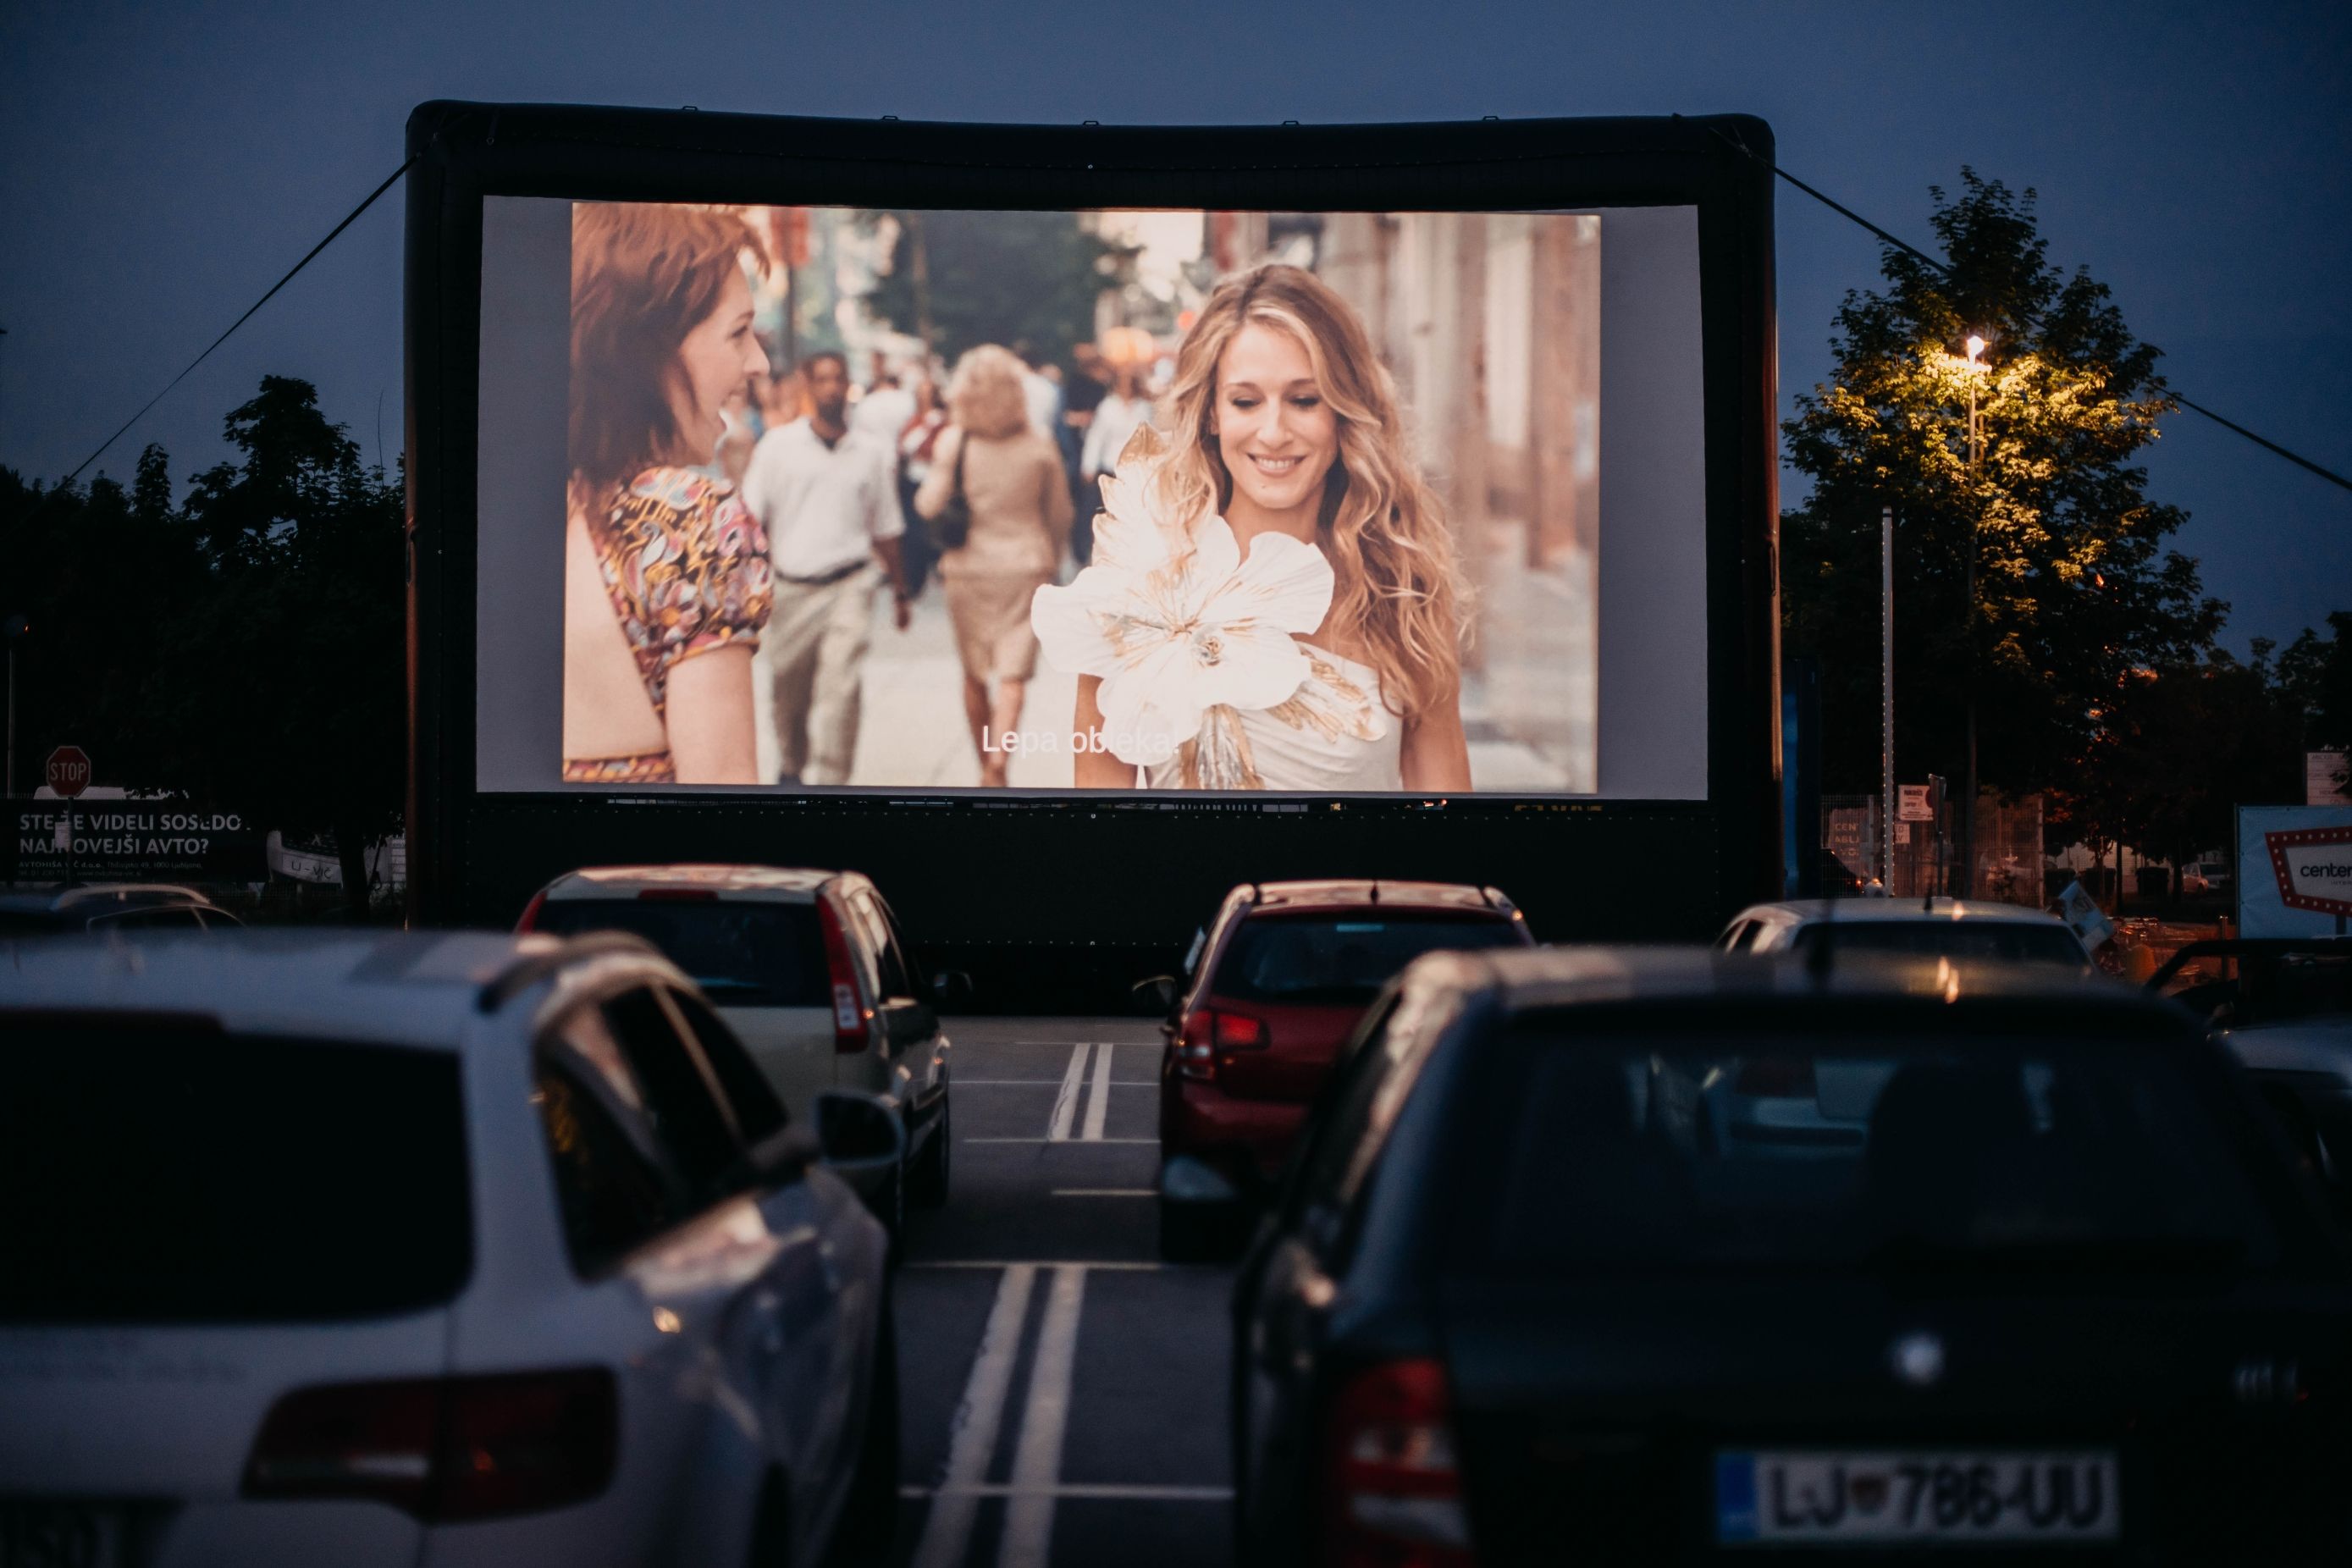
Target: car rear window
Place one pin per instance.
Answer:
(743, 952)
(2010, 940)
(156, 1173)
(1751, 1147)
(1343, 958)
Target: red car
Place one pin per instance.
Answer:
(1275, 987)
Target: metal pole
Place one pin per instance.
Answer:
(11, 787)
(1967, 867)
(1886, 699)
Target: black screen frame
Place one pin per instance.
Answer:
(1022, 884)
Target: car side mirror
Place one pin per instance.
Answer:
(784, 1157)
(951, 988)
(1154, 996)
(858, 1132)
(2222, 1017)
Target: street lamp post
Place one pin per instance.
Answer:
(1967, 865)
(1886, 699)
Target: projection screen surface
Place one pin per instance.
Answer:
(855, 500)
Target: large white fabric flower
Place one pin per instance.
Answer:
(1175, 634)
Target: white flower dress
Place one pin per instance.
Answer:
(1203, 684)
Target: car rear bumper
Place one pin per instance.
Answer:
(1247, 1139)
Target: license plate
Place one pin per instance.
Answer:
(59, 1535)
(1832, 1499)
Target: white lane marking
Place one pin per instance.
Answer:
(1112, 1492)
(1062, 1141)
(1028, 1541)
(1100, 1106)
(1047, 1082)
(1105, 1192)
(1065, 1104)
(1134, 1266)
(947, 1530)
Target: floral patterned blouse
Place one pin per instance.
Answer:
(686, 566)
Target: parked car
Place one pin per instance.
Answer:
(2283, 1007)
(423, 1248)
(1931, 928)
(809, 969)
(1276, 983)
(1521, 1299)
(2205, 877)
(111, 907)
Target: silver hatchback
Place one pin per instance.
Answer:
(810, 970)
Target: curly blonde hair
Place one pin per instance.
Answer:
(1380, 524)
(984, 395)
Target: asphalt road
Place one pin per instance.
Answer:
(1062, 1393)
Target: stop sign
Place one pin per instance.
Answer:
(68, 770)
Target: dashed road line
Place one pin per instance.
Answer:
(1101, 1106)
(1065, 1103)
(1105, 1192)
(1047, 1082)
(1056, 1140)
(947, 1530)
(1028, 1540)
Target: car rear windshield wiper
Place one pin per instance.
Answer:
(2061, 1255)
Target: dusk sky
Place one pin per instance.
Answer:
(161, 165)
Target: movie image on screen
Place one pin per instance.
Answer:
(1163, 500)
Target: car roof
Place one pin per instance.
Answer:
(1357, 893)
(781, 883)
(384, 986)
(1573, 976)
(1880, 911)
(96, 897)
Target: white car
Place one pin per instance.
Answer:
(1928, 928)
(362, 1248)
(809, 968)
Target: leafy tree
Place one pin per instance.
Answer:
(2190, 742)
(2072, 587)
(283, 685)
(2318, 678)
(1007, 277)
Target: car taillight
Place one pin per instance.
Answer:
(1780, 1078)
(849, 1014)
(444, 1448)
(1210, 1035)
(529, 921)
(1392, 1492)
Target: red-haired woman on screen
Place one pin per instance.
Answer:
(666, 574)
(1271, 601)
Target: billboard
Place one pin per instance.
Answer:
(952, 498)
(2295, 870)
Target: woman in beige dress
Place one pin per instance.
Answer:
(1019, 503)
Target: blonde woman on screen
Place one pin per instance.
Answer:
(1016, 500)
(665, 576)
(1271, 601)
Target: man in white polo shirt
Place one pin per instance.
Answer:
(829, 498)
